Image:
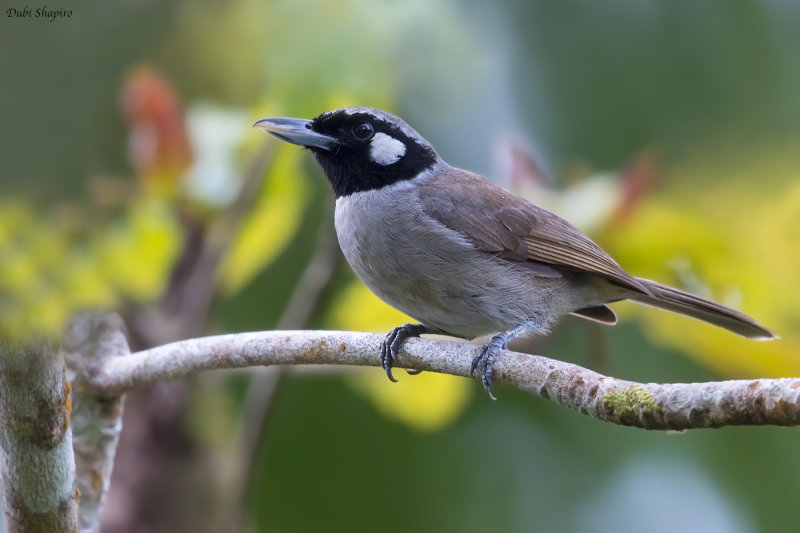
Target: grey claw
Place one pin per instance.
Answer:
(486, 361)
(386, 359)
(476, 361)
(487, 387)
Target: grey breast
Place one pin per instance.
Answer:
(433, 273)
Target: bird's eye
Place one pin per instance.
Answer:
(363, 131)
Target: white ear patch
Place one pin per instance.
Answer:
(386, 150)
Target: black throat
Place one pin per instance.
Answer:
(349, 175)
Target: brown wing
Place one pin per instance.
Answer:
(499, 222)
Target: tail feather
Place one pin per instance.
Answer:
(665, 297)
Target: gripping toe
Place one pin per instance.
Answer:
(393, 342)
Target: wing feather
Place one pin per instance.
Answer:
(501, 223)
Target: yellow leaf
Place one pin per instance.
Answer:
(358, 309)
(428, 401)
(137, 252)
(734, 243)
(425, 402)
(271, 224)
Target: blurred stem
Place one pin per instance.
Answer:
(2, 505)
(315, 278)
(193, 281)
(155, 444)
(96, 421)
(265, 381)
(674, 406)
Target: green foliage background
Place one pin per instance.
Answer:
(712, 88)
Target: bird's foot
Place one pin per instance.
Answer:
(391, 345)
(485, 360)
(490, 352)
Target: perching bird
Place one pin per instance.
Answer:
(458, 253)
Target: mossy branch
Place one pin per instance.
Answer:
(672, 406)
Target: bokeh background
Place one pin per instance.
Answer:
(132, 181)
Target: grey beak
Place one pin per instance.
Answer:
(295, 131)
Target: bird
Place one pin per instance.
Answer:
(459, 254)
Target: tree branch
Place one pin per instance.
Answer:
(36, 438)
(674, 406)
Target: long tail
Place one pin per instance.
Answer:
(665, 297)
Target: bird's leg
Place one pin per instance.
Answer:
(489, 352)
(391, 345)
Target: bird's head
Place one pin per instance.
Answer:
(359, 148)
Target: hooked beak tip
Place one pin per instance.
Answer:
(260, 124)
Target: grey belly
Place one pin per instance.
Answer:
(435, 276)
